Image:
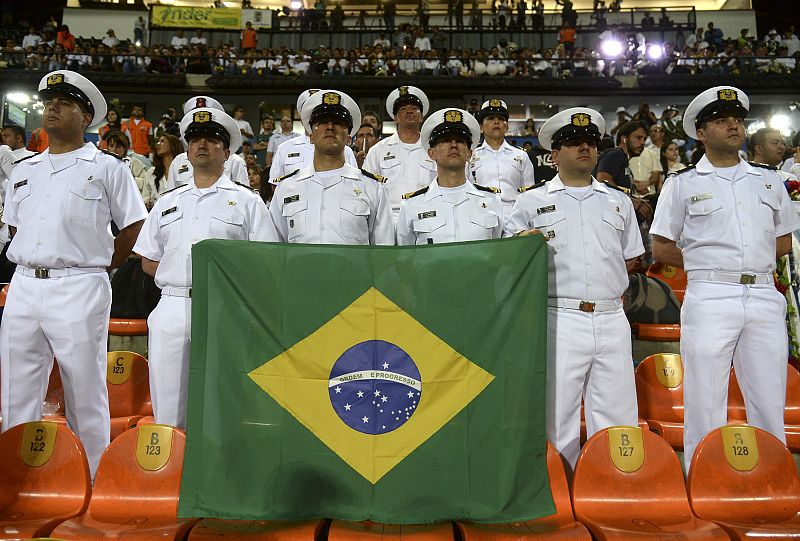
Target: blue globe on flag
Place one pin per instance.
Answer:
(375, 387)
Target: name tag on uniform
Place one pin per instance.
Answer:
(701, 197)
(169, 211)
(20, 184)
(388, 157)
(293, 154)
(291, 199)
(545, 210)
(429, 214)
(183, 169)
(550, 234)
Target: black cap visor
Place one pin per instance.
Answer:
(406, 99)
(493, 111)
(719, 109)
(443, 132)
(571, 132)
(331, 113)
(69, 91)
(210, 130)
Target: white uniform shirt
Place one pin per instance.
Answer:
(277, 138)
(345, 207)
(298, 153)
(588, 239)
(507, 169)
(181, 172)
(723, 224)
(188, 215)
(407, 168)
(450, 215)
(62, 216)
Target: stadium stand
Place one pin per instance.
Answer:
(659, 392)
(745, 480)
(44, 479)
(644, 475)
(136, 489)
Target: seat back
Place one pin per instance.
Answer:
(742, 472)
(659, 387)
(559, 488)
(736, 407)
(674, 277)
(43, 471)
(4, 295)
(128, 383)
(139, 475)
(624, 472)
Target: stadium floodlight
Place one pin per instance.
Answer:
(611, 48)
(782, 123)
(18, 97)
(296, 4)
(655, 51)
(755, 126)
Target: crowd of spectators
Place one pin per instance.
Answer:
(413, 51)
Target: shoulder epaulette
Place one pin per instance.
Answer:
(421, 191)
(763, 166)
(284, 177)
(622, 189)
(685, 169)
(373, 176)
(173, 189)
(105, 151)
(489, 189)
(533, 186)
(247, 186)
(25, 158)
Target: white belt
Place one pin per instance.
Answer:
(44, 272)
(746, 278)
(584, 306)
(177, 291)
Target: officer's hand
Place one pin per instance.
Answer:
(641, 186)
(644, 209)
(527, 232)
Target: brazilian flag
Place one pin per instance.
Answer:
(393, 384)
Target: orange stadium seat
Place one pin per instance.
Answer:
(44, 479)
(791, 419)
(674, 277)
(256, 530)
(658, 332)
(659, 391)
(371, 531)
(127, 327)
(4, 294)
(629, 484)
(642, 424)
(561, 525)
(745, 479)
(128, 382)
(146, 420)
(136, 490)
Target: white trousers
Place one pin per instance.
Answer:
(66, 317)
(168, 346)
(589, 356)
(720, 323)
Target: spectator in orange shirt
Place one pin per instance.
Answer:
(249, 37)
(38, 141)
(566, 37)
(140, 131)
(65, 39)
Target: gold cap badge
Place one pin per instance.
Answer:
(403, 90)
(453, 116)
(580, 119)
(727, 94)
(201, 117)
(55, 79)
(494, 102)
(331, 98)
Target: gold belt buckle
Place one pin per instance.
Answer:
(41, 272)
(747, 279)
(586, 306)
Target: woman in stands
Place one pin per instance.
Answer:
(167, 147)
(255, 176)
(670, 159)
(113, 123)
